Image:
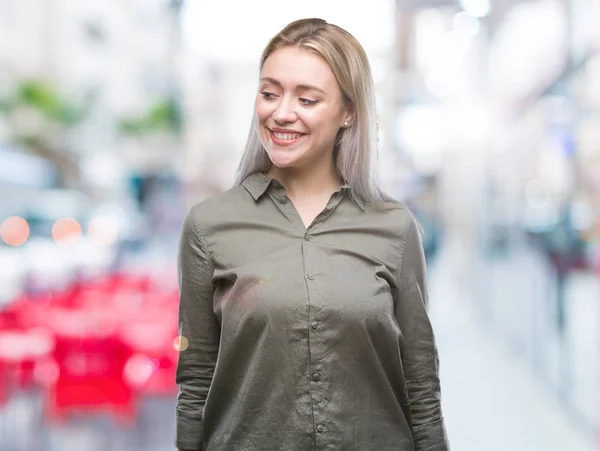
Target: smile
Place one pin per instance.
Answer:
(285, 139)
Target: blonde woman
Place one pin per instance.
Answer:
(303, 288)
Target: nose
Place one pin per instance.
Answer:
(285, 112)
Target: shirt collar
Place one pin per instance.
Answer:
(258, 183)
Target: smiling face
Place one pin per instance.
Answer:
(299, 108)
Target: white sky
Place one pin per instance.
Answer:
(239, 29)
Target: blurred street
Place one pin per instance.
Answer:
(492, 400)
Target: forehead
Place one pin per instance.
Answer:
(295, 66)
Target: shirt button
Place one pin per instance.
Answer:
(307, 237)
(320, 428)
(316, 376)
(310, 276)
(314, 324)
(283, 199)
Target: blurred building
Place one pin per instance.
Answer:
(498, 102)
(115, 60)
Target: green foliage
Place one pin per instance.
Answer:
(44, 98)
(30, 141)
(162, 116)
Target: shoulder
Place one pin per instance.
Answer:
(221, 207)
(396, 218)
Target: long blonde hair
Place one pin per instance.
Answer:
(355, 150)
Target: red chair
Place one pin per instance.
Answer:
(23, 344)
(20, 352)
(4, 384)
(90, 360)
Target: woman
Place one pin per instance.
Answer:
(303, 292)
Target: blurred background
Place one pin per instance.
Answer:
(117, 115)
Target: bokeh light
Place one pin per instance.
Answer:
(180, 343)
(14, 231)
(66, 230)
(138, 370)
(46, 372)
(102, 231)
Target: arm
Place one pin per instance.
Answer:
(197, 323)
(419, 352)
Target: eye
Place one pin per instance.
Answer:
(268, 95)
(308, 101)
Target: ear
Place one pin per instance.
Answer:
(349, 116)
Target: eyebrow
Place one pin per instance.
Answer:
(300, 87)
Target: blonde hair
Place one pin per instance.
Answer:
(355, 149)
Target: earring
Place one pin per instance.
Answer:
(345, 123)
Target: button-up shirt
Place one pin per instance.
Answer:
(300, 338)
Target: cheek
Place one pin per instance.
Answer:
(325, 125)
(263, 110)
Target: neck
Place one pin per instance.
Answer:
(310, 182)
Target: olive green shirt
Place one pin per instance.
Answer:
(299, 339)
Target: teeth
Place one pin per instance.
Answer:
(287, 136)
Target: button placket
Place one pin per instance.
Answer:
(309, 275)
(315, 377)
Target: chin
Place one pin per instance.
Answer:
(282, 163)
(283, 158)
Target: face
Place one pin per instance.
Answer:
(299, 108)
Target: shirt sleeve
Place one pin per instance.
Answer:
(199, 335)
(419, 353)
